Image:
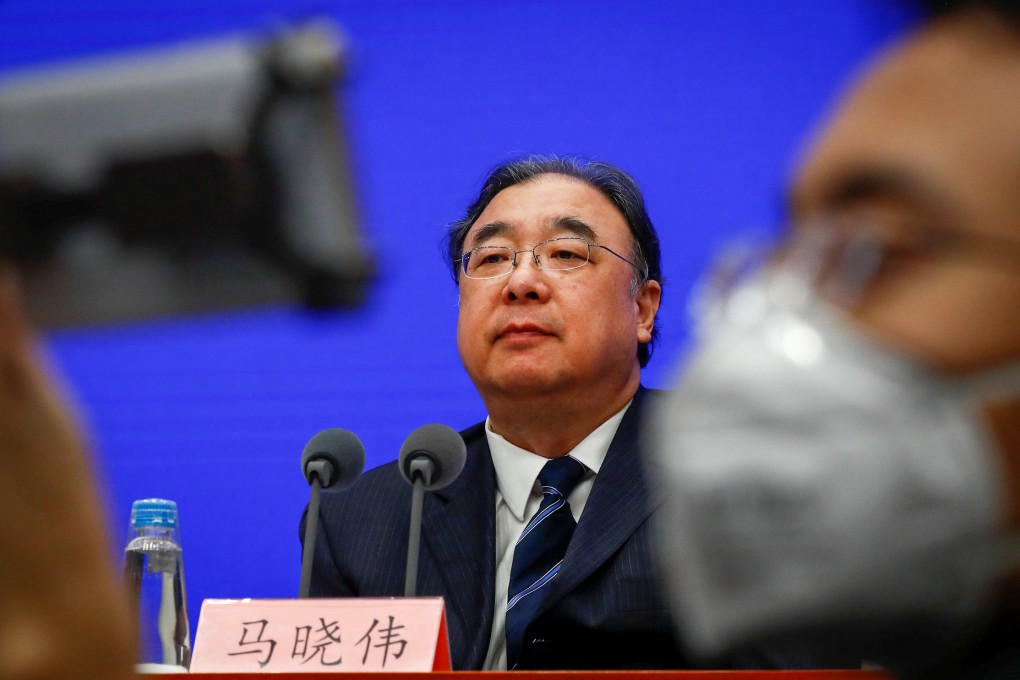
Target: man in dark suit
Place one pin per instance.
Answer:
(603, 611)
(557, 263)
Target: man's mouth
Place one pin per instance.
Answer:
(521, 329)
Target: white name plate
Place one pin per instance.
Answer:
(322, 636)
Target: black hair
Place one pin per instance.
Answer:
(612, 182)
(1008, 10)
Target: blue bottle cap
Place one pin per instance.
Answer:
(154, 512)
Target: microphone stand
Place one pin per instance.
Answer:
(420, 471)
(315, 469)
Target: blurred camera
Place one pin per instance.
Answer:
(208, 176)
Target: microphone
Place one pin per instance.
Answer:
(431, 457)
(333, 458)
(435, 454)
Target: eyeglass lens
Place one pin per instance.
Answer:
(488, 262)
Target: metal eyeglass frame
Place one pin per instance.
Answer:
(466, 256)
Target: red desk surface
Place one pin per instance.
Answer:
(550, 675)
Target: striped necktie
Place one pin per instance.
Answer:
(540, 549)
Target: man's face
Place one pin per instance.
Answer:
(931, 140)
(537, 332)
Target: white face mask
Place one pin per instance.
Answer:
(823, 489)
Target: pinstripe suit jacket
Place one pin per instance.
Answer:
(606, 608)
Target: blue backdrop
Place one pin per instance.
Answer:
(705, 102)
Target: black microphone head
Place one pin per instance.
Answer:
(442, 445)
(341, 450)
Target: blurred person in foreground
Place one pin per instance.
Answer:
(63, 612)
(843, 448)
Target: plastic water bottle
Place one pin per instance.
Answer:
(154, 569)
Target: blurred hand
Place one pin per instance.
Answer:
(63, 610)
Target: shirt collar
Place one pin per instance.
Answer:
(517, 469)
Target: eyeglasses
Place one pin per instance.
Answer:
(841, 261)
(557, 254)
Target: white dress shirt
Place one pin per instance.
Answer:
(518, 496)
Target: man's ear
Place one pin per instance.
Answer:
(647, 300)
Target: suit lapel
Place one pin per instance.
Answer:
(618, 504)
(458, 526)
